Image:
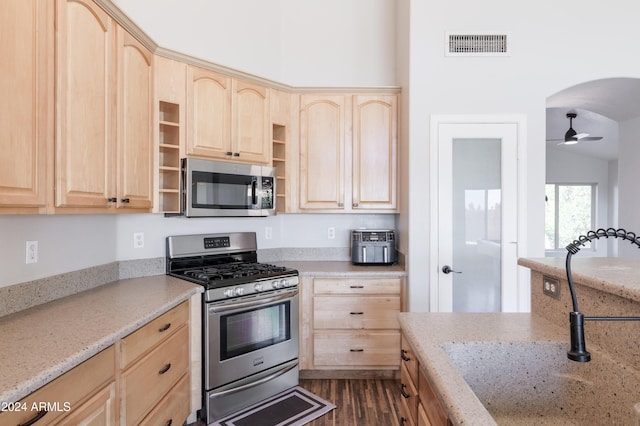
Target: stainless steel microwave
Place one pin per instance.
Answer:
(215, 188)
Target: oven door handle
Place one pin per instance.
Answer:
(255, 302)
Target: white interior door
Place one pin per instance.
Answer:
(476, 224)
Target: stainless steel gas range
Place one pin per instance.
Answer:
(250, 319)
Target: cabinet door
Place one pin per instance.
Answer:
(85, 131)
(99, 410)
(135, 123)
(208, 114)
(323, 156)
(26, 28)
(251, 137)
(375, 152)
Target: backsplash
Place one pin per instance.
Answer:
(25, 295)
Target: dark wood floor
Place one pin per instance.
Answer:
(359, 402)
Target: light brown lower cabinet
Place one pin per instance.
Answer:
(420, 405)
(83, 395)
(350, 324)
(146, 374)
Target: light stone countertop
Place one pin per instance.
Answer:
(41, 343)
(612, 275)
(343, 269)
(428, 332)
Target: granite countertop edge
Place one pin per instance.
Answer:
(120, 307)
(616, 276)
(429, 333)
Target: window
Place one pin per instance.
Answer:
(569, 213)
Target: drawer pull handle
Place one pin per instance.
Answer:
(169, 422)
(402, 421)
(356, 350)
(40, 414)
(402, 391)
(165, 327)
(165, 369)
(356, 313)
(403, 355)
(356, 286)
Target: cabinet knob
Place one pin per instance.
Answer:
(236, 154)
(355, 204)
(229, 153)
(112, 200)
(126, 200)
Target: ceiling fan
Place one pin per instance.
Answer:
(572, 137)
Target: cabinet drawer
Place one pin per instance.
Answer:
(356, 286)
(148, 380)
(409, 393)
(67, 391)
(409, 359)
(367, 349)
(173, 409)
(349, 312)
(146, 337)
(405, 417)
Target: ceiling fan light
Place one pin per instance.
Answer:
(571, 142)
(570, 136)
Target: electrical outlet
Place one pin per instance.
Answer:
(331, 233)
(268, 233)
(31, 252)
(138, 239)
(551, 287)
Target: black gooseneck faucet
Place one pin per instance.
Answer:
(578, 351)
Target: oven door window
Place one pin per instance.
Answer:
(224, 191)
(254, 329)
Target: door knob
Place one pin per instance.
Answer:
(447, 270)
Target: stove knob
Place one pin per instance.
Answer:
(229, 292)
(257, 287)
(285, 283)
(275, 284)
(239, 291)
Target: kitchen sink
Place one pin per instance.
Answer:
(535, 384)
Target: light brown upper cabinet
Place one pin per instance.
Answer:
(323, 153)
(135, 124)
(26, 104)
(375, 152)
(348, 153)
(86, 105)
(104, 119)
(227, 119)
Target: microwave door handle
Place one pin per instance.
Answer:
(254, 192)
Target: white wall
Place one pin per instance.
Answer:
(65, 243)
(71, 242)
(629, 197)
(300, 43)
(548, 55)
